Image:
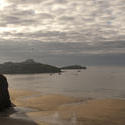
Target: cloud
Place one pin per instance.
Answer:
(66, 18)
(63, 15)
(24, 1)
(61, 48)
(63, 53)
(74, 26)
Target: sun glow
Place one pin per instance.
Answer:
(3, 4)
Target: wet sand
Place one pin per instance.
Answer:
(54, 109)
(10, 121)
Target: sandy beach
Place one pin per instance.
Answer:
(10, 121)
(55, 109)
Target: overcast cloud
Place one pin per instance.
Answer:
(79, 29)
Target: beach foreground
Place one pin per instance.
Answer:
(10, 121)
(54, 109)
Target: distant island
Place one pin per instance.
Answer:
(74, 67)
(27, 67)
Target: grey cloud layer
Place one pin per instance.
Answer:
(56, 48)
(62, 53)
(73, 27)
(67, 15)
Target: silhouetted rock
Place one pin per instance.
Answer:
(74, 67)
(27, 67)
(4, 93)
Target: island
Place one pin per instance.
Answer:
(74, 67)
(27, 67)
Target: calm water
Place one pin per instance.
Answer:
(97, 82)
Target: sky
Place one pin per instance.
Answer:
(62, 32)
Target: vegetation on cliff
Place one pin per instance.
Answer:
(27, 67)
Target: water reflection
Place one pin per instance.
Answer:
(93, 82)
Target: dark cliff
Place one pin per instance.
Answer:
(27, 67)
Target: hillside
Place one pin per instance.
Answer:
(27, 67)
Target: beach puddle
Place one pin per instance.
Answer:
(20, 113)
(56, 119)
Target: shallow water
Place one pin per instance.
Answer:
(95, 82)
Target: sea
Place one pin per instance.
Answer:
(94, 82)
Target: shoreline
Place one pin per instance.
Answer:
(61, 109)
(56, 109)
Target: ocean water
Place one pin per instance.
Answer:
(95, 82)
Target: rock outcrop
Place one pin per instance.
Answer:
(27, 67)
(74, 67)
(4, 94)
